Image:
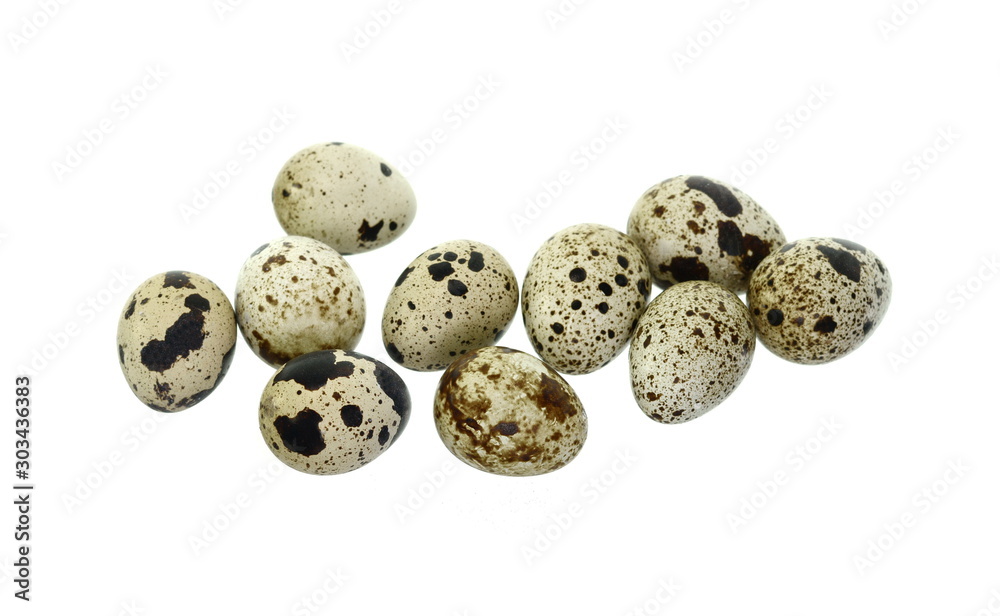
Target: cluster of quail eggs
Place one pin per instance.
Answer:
(327, 409)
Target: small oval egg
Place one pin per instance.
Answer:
(296, 295)
(176, 337)
(333, 411)
(508, 413)
(456, 297)
(344, 196)
(694, 228)
(582, 296)
(816, 300)
(693, 346)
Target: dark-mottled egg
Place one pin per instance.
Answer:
(506, 412)
(333, 411)
(296, 295)
(694, 228)
(176, 337)
(582, 296)
(456, 297)
(344, 196)
(816, 300)
(693, 346)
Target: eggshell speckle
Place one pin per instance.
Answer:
(582, 296)
(694, 228)
(333, 411)
(456, 297)
(296, 295)
(816, 300)
(344, 196)
(693, 346)
(176, 337)
(505, 412)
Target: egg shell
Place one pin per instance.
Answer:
(582, 296)
(333, 411)
(694, 228)
(343, 195)
(816, 300)
(692, 348)
(458, 296)
(508, 413)
(296, 295)
(176, 338)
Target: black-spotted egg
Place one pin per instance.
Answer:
(582, 296)
(176, 337)
(344, 196)
(816, 300)
(458, 296)
(333, 411)
(694, 228)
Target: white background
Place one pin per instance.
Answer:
(122, 491)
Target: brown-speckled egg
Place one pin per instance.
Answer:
(176, 337)
(456, 297)
(333, 411)
(694, 228)
(816, 300)
(343, 195)
(506, 412)
(582, 296)
(693, 346)
(296, 295)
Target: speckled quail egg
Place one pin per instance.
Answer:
(816, 300)
(694, 228)
(344, 196)
(506, 412)
(176, 338)
(333, 411)
(456, 297)
(296, 295)
(693, 346)
(582, 296)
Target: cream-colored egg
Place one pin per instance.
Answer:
(296, 295)
(176, 337)
(692, 348)
(458, 296)
(508, 413)
(582, 296)
(344, 196)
